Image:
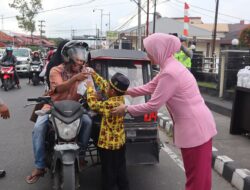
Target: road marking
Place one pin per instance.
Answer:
(214, 149)
(174, 156)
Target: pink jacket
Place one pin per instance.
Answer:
(175, 87)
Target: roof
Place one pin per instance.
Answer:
(35, 40)
(5, 38)
(234, 32)
(193, 20)
(118, 54)
(210, 27)
(169, 25)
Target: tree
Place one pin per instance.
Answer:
(28, 11)
(245, 37)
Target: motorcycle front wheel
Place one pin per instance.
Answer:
(69, 178)
(6, 84)
(35, 80)
(57, 178)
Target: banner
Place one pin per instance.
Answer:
(112, 35)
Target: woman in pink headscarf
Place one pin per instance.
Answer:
(176, 88)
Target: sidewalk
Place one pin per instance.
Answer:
(218, 105)
(231, 155)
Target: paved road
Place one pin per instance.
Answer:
(17, 158)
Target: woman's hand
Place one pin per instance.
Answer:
(90, 70)
(4, 111)
(119, 111)
(80, 76)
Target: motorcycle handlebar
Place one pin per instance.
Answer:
(45, 99)
(32, 99)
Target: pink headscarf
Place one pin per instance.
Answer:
(161, 47)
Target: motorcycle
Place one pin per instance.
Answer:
(36, 68)
(62, 150)
(7, 76)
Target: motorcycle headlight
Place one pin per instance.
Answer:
(67, 131)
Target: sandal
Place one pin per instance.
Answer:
(35, 175)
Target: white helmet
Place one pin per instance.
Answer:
(74, 50)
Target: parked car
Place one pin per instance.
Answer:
(23, 56)
(142, 140)
(1, 53)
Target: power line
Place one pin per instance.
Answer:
(41, 29)
(130, 19)
(176, 6)
(208, 10)
(72, 5)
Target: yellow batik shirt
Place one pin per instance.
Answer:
(112, 135)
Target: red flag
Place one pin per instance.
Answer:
(186, 6)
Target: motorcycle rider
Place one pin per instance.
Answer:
(64, 80)
(5, 114)
(9, 57)
(56, 60)
(35, 57)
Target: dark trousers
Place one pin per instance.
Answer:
(16, 77)
(114, 172)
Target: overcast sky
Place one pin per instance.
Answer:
(78, 15)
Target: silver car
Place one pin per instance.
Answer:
(23, 56)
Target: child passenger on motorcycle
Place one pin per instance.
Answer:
(111, 142)
(64, 80)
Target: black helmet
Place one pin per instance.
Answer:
(75, 49)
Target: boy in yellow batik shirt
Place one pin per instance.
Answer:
(111, 142)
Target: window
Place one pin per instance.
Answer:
(134, 72)
(21, 52)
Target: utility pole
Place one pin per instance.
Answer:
(109, 19)
(154, 16)
(101, 19)
(73, 33)
(139, 26)
(41, 30)
(107, 40)
(97, 38)
(2, 21)
(214, 33)
(147, 22)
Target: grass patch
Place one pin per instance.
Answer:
(207, 84)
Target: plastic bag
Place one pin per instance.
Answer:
(243, 77)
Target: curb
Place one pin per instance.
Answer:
(225, 166)
(218, 108)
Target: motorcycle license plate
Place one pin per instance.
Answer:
(131, 133)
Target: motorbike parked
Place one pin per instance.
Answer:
(62, 150)
(7, 75)
(36, 68)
